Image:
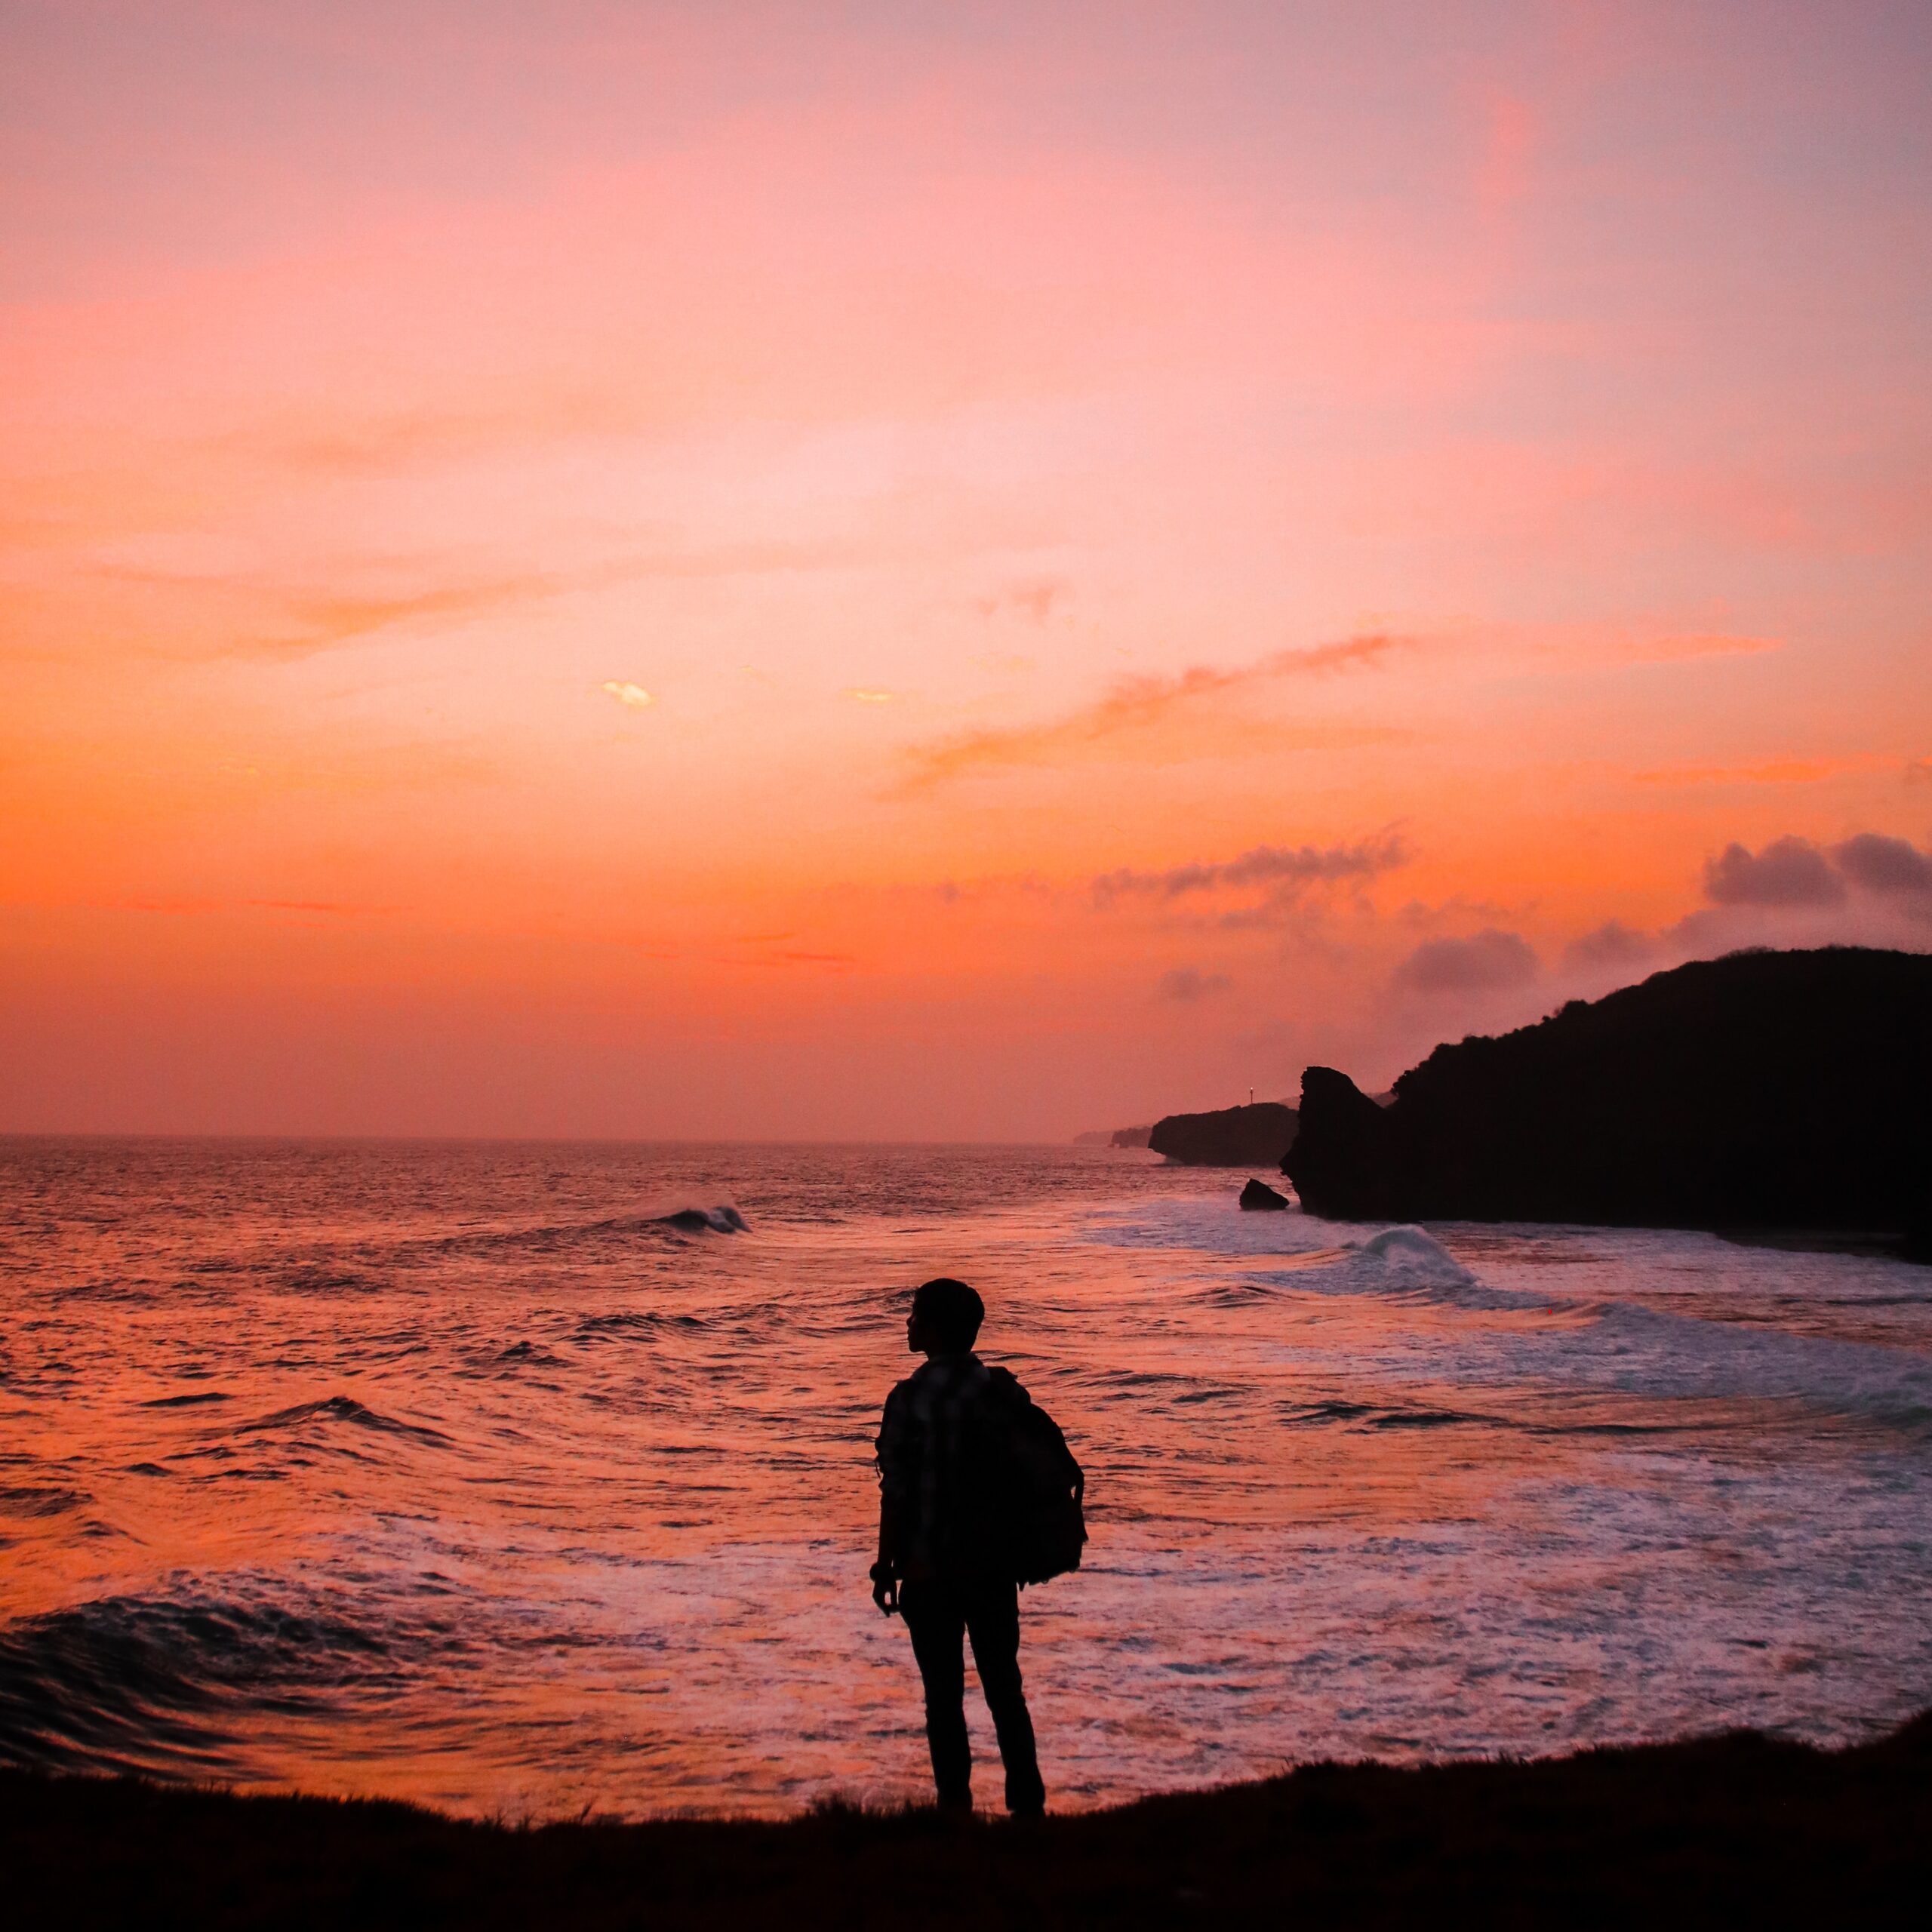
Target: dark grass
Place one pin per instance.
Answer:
(1738, 1830)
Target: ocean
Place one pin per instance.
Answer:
(454, 1472)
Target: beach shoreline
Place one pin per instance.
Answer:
(1703, 1830)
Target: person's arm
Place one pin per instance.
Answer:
(891, 1447)
(885, 1571)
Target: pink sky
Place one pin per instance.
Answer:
(930, 571)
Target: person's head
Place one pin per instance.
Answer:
(945, 1319)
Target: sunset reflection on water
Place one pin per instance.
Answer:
(447, 1472)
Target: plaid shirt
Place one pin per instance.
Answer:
(925, 1462)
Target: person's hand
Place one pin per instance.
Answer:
(885, 1589)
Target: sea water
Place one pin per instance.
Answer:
(456, 1472)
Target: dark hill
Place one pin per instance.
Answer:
(1766, 1089)
(1251, 1136)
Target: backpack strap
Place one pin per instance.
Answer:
(1004, 1386)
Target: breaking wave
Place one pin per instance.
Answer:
(1408, 1252)
(166, 1684)
(339, 1408)
(723, 1220)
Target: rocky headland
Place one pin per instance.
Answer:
(1256, 1136)
(1764, 1090)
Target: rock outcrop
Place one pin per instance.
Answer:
(1251, 1137)
(1765, 1089)
(1258, 1195)
(1347, 1160)
(1132, 1136)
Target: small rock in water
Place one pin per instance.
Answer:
(1259, 1194)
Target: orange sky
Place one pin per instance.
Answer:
(927, 571)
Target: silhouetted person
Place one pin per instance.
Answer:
(943, 1561)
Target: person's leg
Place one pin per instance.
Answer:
(938, 1625)
(992, 1616)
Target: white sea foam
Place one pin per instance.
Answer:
(1409, 1253)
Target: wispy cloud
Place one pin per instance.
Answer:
(255, 617)
(838, 962)
(1186, 985)
(312, 907)
(1676, 646)
(1775, 771)
(871, 697)
(1284, 869)
(1034, 598)
(265, 620)
(1134, 705)
(382, 444)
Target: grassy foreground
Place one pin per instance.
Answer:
(1723, 1831)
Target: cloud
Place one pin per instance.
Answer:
(1135, 704)
(1511, 134)
(1034, 598)
(329, 908)
(308, 623)
(872, 697)
(1612, 943)
(1484, 962)
(1678, 647)
(1789, 872)
(1778, 771)
(267, 620)
(1879, 864)
(1286, 868)
(1186, 985)
(635, 696)
(393, 443)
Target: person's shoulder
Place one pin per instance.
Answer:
(899, 1418)
(908, 1389)
(1005, 1386)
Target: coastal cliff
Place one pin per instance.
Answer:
(1251, 1136)
(1765, 1089)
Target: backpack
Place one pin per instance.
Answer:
(1038, 1488)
